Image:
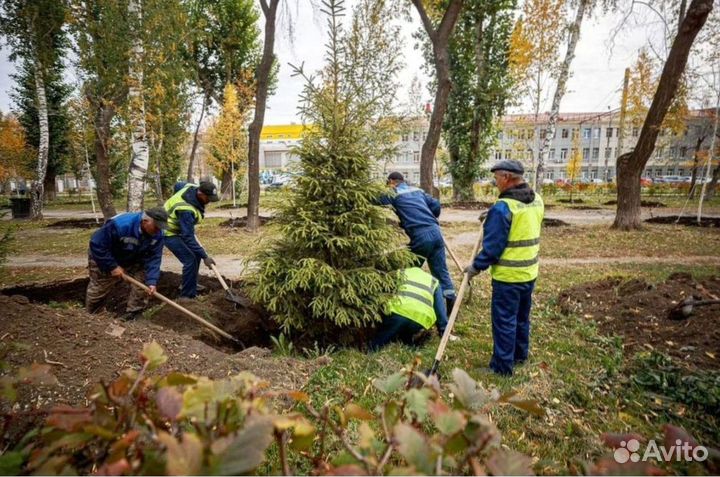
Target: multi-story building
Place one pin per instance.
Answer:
(597, 136)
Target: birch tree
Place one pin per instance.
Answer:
(33, 29)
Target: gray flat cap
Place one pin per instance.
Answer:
(509, 165)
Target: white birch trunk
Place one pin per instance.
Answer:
(140, 154)
(560, 90)
(43, 147)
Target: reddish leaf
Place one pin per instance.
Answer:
(69, 418)
(119, 467)
(507, 462)
(615, 440)
(673, 434)
(353, 411)
(298, 396)
(169, 402)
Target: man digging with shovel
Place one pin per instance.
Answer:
(510, 249)
(129, 243)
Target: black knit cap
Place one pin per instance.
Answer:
(209, 189)
(159, 216)
(396, 176)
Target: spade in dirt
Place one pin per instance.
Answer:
(685, 308)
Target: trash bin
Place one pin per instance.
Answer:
(20, 207)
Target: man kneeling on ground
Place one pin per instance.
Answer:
(417, 307)
(129, 243)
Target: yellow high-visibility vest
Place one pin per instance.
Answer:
(414, 301)
(519, 261)
(175, 204)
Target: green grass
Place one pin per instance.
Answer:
(582, 378)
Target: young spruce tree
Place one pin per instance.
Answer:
(338, 260)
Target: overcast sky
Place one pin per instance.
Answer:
(596, 81)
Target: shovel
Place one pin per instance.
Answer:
(229, 295)
(454, 257)
(187, 312)
(416, 381)
(684, 309)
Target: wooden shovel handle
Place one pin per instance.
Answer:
(187, 312)
(219, 277)
(454, 257)
(458, 301)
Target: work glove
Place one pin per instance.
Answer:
(471, 271)
(209, 262)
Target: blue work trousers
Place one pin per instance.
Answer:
(190, 263)
(511, 303)
(395, 328)
(428, 243)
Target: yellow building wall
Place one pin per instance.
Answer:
(282, 131)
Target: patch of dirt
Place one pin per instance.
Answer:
(686, 220)
(584, 207)
(242, 221)
(82, 351)
(574, 201)
(470, 205)
(643, 203)
(230, 206)
(639, 312)
(77, 224)
(547, 222)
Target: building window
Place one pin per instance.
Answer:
(543, 133)
(608, 152)
(416, 156)
(416, 176)
(405, 137)
(596, 133)
(273, 159)
(498, 155)
(596, 153)
(681, 172)
(586, 153)
(635, 132)
(508, 154)
(564, 133)
(586, 133)
(563, 153)
(416, 135)
(521, 134)
(551, 155)
(659, 152)
(683, 151)
(530, 133)
(608, 132)
(574, 133)
(673, 152)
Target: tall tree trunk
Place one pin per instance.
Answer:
(712, 186)
(196, 134)
(711, 155)
(696, 163)
(158, 176)
(103, 116)
(263, 80)
(631, 165)
(560, 89)
(44, 145)
(439, 39)
(140, 154)
(50, 186)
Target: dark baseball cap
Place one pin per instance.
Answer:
(396, 176)
(509, 165)
(210, 190)
(159, 216)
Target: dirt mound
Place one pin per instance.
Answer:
(84, 349)
(643, 203)
(77, 224)
(554, 223)
(638, 311)
(686, 220)
(242, 221)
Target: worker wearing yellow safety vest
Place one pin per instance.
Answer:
(418, 306)
(511, 243)
(186, 209)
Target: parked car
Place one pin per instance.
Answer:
(280, 181)
(646, 182)
(672, 179)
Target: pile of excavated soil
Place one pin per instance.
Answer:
(242, 221)
(568, 201)
(643, 203)
(639, 312)
(84, 349)
(687, 220)
(77, 224)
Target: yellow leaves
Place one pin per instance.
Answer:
(227, 136)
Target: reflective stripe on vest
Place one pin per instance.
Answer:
(414, 301)
(175, 204)
(519, 261)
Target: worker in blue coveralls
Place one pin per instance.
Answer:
(129, 243)
(417, 307)
(418, 213)
(510, 248)
(186, 209)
